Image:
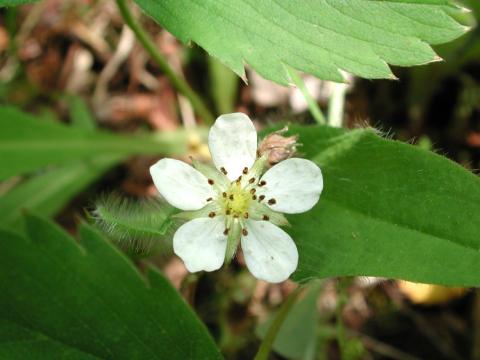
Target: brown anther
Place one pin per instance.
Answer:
(254, 197)
(262, 183)
(235, 216)
(211, 214)
(222, 169)
(224, 194)
(253, 191)
(261, 197)
(211, 182)
(245, 215)
(245, 171)
(209, 199)
(228, 212)
(265, 217)
(251, 181)
(258, 153)
(272, 201)
(231, 197)
(244, 232)
(225, 232)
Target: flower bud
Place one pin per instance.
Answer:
(278, 147)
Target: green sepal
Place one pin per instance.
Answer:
(258, 210)
(234, 227)
(210, 172)
(257, 169)
(203, 212)
(259, 165)
(139, 225)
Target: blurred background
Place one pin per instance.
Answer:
(77, 62)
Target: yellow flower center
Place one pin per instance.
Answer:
(236, 200)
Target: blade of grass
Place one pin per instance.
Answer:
(267, 343)
(312, 104)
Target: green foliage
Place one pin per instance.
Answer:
(48, 192)
(80, 114)
(318, 37)
(61, 299)
(137, 224)
(388, 209)
(13, 338)
(28, 144)
(4, 3)
(223, 85)
(297, 338)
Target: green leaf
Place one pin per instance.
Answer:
(387, 209)
(28, 144)
(80, 114)
(13, 338)
(319, 37)
(297, 337)
(49, 192)
(4, 3)
(89, 300)
(223, 85)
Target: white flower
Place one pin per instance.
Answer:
(237, 202)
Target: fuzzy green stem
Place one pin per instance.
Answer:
(178, 82)
(267, 343)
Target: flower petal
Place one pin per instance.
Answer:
(294, 184)
(269, 252)
(201, 244)
(233, 143)
(180, 184)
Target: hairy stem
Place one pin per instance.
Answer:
(178, 82)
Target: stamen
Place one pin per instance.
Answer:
(252, 191)
(224, 194)
(211, 182)
(212, 214)
(244, 232)
(228, 212)
(222, 169)
(225, 232)
(261, 197)
(245, 171)
(252, 180)
(235, 216)
(265, 217)
(231, 197)
(262, 183)
(272, 201)
(239, 178)
(254, 197)
(258, 153)
(209, 199)
(245, 215)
